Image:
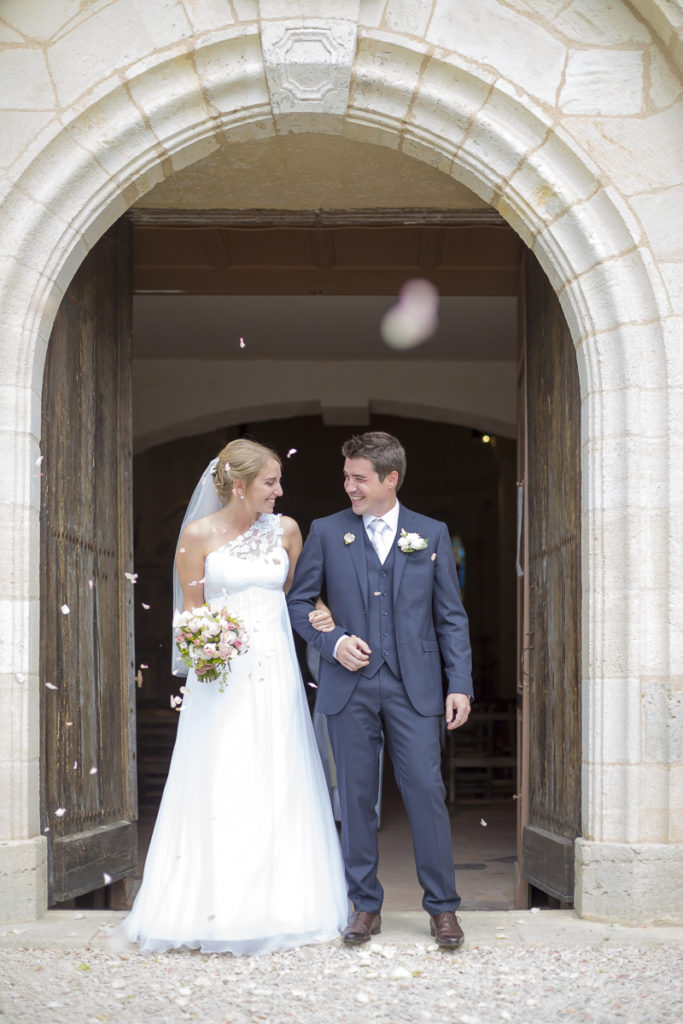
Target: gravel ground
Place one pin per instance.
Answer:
(388, 981)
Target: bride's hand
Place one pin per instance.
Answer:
(321, 619)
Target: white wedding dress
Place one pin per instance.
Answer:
(245, 856)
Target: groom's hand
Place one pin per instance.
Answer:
(353, 653)
(457, 710)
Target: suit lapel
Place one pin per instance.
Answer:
(405, 520)
(356, 552)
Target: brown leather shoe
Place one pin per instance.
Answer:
(360, 927)
(446, 930)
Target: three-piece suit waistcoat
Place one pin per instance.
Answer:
(381, 626)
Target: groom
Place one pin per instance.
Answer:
(389, 578)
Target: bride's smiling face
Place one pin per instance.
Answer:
(265, 489)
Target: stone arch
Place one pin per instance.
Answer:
(478, 128)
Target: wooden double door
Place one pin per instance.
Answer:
(88, 765)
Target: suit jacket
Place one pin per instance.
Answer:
(431, 623)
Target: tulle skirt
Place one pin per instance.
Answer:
(245, 856)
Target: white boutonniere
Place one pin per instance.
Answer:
(409, 542)
(349, 538)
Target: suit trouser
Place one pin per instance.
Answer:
(380, 706)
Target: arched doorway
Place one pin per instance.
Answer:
(492, 616)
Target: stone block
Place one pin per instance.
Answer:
(19, 625)
(233, 79)
(672, 277)
(20, 130)
(409, 17)
(25, 79)
(665, 87)
(39, 21)
(20, 736)
(610, 294)
(603, 82)
(308, 63)
(208, 15)
(384, 79)
(447, 96)
(23, 879)
(20, 809)
(661, 216)
(493, 36)
(600, 24)
(642, 153)
(636, 884)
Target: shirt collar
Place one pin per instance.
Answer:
(390, 518)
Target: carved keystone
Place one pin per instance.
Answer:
(308, 65)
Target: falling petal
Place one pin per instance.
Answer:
(51, 686)
(132, 577)
(483, 823)
(91, 584)
(377, 593)
(181, 551)
(107, 878)
(211, 917)
(227, 467)
(414, 318)
(65, 609)
(67, 724)
(292, 451)
(20, 677)
(535, 910)
(242, 343)
(46, 829)
(434, 557)
(60, 812)
(93, 770)
(142, 665)
(145, 606)
(75, 764)
(313, 686)
(39, 460)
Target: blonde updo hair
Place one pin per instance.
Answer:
(243, 460)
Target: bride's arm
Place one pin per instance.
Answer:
(190, 565)
(292, 543)
(321, 618)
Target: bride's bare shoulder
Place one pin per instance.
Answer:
(206, 530)
(290, 528)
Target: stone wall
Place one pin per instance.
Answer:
(565, 117)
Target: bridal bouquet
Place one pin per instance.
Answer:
(208, 638)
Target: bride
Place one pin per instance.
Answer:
(245, 856)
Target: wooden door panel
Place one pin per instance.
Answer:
(87, 722)
(553, 581)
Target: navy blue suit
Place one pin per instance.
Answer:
(410, 613)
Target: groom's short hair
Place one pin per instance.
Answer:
(384, 451)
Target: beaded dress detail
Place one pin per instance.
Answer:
(245, 856)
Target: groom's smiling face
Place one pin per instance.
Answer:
(368, 494)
